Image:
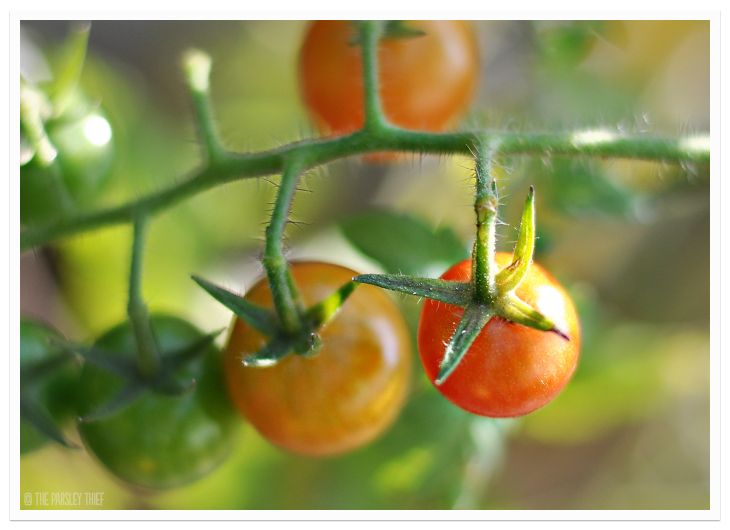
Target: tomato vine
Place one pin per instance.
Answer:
(293, 327)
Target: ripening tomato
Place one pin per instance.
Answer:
(426, 82)
(510, 369)
(342, 397)
(159, 441)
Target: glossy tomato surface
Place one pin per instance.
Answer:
(340, 398)
(159, 441)
(426, 82)
(510, 369)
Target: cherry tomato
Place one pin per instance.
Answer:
(510, 369)
(83, 139)
(426, 82)
(51, 390)
(159, 441)
(342, 397)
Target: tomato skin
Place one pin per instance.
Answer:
(159, 441)
(342, 397)
(510, 370)
(55, 391)
(426, 82)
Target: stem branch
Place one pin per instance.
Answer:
(196, 65)
(283, 289)
(232, 167)
(147, 350)
(369, 37)
(486, 204)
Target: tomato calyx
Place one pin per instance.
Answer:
(305, 341)
(136, 382)
(488, 293)
(33, 375)
(151, 368)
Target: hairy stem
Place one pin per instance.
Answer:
(283, 289)
(232, 167)
(196, 65)
(369, 37)
(486, 203)
(148, 355)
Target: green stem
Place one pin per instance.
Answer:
(369, 37)
(486, 204)
(206, 126)
(232, 167)
(283, 289)
(197, 65)
(148, 355)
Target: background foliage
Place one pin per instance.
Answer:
(629, 239)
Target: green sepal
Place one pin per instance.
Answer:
(169, 386)
(323, 312)
(163, 382)
(123, 399)
(71, 64)
(270, 354)
(42, 421)
(101, 359)
(392, 29)
(519, 312)
(47, 366)
(510, 277)
(179, 357)
(398, 29)
(449, 292)
(257, 317)
(471, 324)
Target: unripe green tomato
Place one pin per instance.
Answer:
(54, 391)
(84, 140)
(159, 441)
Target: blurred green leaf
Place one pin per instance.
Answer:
(581, 187)
(565, 43)
(402, 243)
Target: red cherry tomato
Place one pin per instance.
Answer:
(426, 82)
(510, 369)
(342, 397)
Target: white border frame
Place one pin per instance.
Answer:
(376, 9)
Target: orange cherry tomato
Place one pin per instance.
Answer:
(342, 397)
(510, 369)
(426, 82)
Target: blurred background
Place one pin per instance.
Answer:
(629, 239)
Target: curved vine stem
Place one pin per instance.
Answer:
(222, 166)
(232, 167)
